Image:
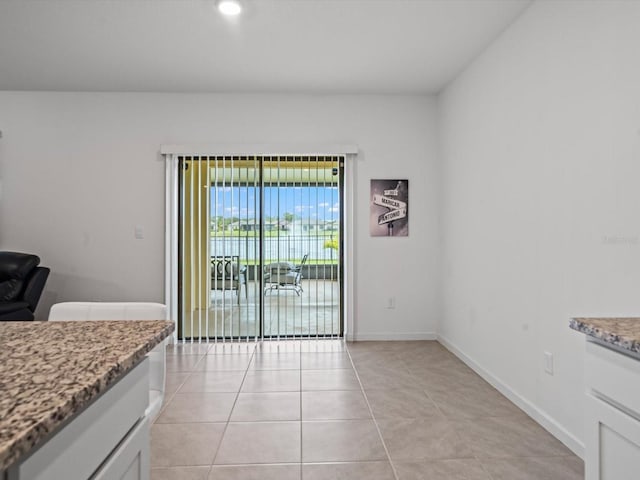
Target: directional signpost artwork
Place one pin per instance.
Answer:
(389, 202)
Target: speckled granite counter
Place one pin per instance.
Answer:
(622, 333)
(50, 371)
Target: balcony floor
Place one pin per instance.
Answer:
(315, 312)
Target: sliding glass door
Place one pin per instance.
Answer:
(260, 247)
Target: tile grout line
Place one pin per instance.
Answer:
(189, 373)
(484, 469)
(301, 446)
(226, 424)
(170, 398)
(375, 422)
(475, 457)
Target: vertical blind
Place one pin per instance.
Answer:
(260, 251)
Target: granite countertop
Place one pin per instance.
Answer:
(622, 333)
(50, 371)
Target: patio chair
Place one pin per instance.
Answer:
(69, 311)
(284, 275)
(228, 274)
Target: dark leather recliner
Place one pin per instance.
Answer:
(21, 284)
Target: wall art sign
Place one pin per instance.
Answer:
(389, 215)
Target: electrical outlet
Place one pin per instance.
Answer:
(138, 232)
(548, 362)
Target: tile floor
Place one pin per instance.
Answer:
(325, 410)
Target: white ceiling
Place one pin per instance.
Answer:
(305, 46)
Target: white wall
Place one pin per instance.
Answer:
(80, 170)
(540, 142)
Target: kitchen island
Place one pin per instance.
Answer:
(612, 407)
(73, 396)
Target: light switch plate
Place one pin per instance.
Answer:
(548, 362)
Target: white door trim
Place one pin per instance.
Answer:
(171, 153)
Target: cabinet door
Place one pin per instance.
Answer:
(613, 442)
(130, 461)
(76, 450)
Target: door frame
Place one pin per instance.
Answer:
(171, 153)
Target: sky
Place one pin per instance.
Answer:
(317, 203)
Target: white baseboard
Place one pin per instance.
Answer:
(539, 415)
(363, 336)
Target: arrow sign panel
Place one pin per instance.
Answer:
(392, 215)
(388, 202)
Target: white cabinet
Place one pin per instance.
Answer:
(613, 414)
(108, 440)
(130, 461)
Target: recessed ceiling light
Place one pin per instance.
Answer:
(229, 7)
